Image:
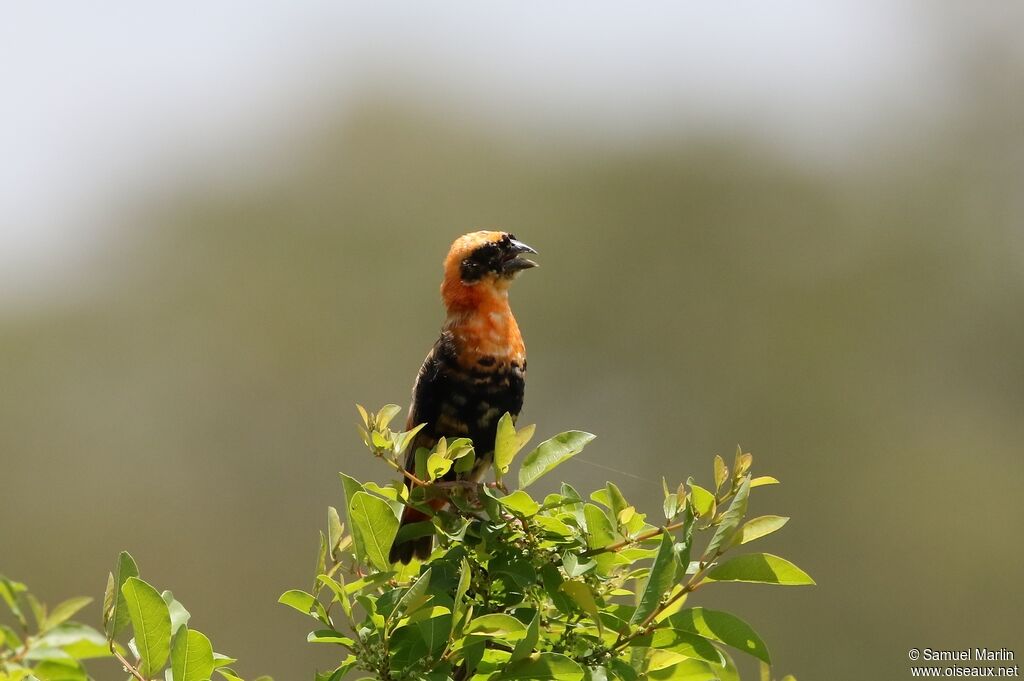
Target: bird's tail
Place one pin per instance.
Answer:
(418, 546)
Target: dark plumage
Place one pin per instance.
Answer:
(476, 370)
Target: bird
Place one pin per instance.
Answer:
(476, 370)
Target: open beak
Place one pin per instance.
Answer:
(517, 263)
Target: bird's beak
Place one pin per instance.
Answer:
(517, 263)
(520, 247)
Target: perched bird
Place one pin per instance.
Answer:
(476, 370)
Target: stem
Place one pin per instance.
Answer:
(690, 586)
(126, 664)
(695, 582)
(647, 625)
(16, 656)
(401, 469)
(618, 546)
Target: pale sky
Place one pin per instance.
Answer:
(102, 100)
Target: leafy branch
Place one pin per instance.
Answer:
(565, 588)
(161, 646)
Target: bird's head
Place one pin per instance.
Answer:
(482, 265)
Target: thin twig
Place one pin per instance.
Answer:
(651, 534)
(126, 664)
(401, 469)
(629, 542)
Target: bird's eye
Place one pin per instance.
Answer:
(470, 270)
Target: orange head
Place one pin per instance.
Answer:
(479, 268)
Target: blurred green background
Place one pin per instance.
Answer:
(855, 318)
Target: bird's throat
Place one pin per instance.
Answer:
(487, 330)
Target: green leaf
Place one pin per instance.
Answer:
(368, 581)
(77, 640)
(321, 557)
(569, 492)
(583, 596)
(686, 670)
(9, 638)
(542, 667)
(575, 566)
(420, 462)
(497, 625)
(684, 644)
(670, 505)
(755, 528)
(459, 447)
(419, 639)
(460, 591)
(415, 596)
(616, 502)
(660, 580)
(384, 416)
(330, 636)
(38, 609)
(303, 602)
(437, 465)
(465, 463)
(109, 598)
(339, 672)
(763, 568)
(115, 612)
(508, 443)
(721, 472)
(64, 611)
(526, 645)
(179, 615)
(58, 670)
(684, 547)
(520, 503)
(388, 493)
(222, 660)
(351, 486)
(518, 570)
(9, 591)
(553, 526)
(742, 463)
(703, 500)
(600, 532)
(550, 454)
(228, 673)
(763, 480)
(728, 671)
(730, 519)
(191, 656)
(151, 623)
(374, 527)
(337, 587)
(401, 441)
(335, 530)
(722, 627)
(623, 670)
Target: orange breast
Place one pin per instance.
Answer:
(489, 330)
